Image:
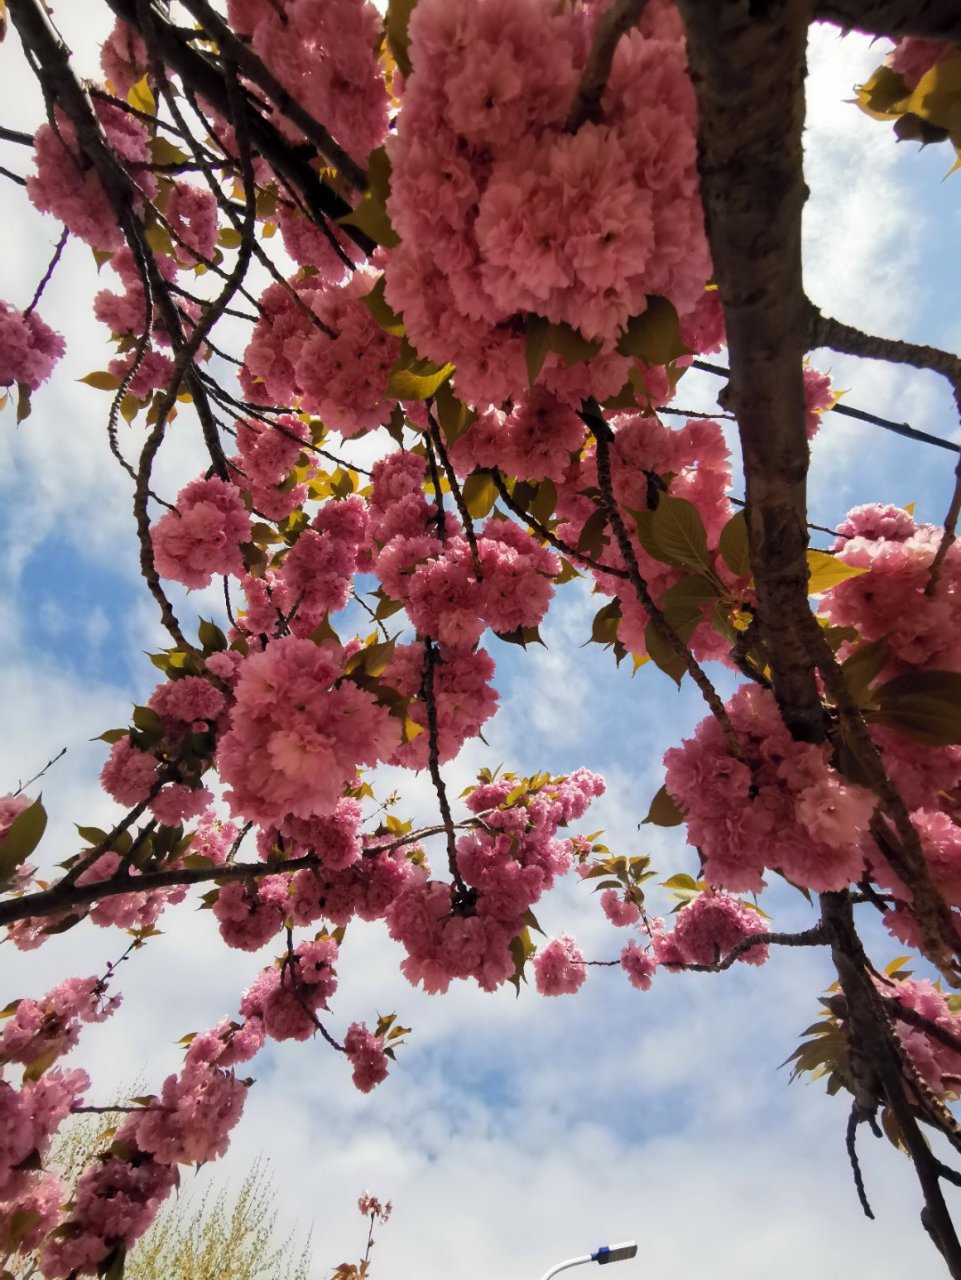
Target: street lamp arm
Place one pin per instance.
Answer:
(571, 1262)
(606, 1253)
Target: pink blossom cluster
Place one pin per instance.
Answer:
(126, 312)
(818, 398)
(559, 968)
(125, 910)
(453, 598)
(43, 1030)
(938, 1065)
(266, 457)
(29, 1116)
(29, 349)
(364, 889)
(324, 53)
(365, 1050)
(67, 185)
(11, 808)
(250, 913)
(114, 1202)
(534, 441)
(296, 737)
(503, 212)
(647, 459)
(129, 773)
(286, 997)
(464, 699)
(782, 808)
(706, 930)
(891, 599)
(465, 930)
(619, 908)
(123, 58)
(639, 963)
(28, 1216)
(191, 1120)
(940, 837)
(312, 246)
(317, 573)
(318, 343)
(203, 535)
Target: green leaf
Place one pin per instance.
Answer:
(479, 493)
(211, 637)
(606, 622)
(863, 665)
(414, 378)
(685, 883)
(141, 97)
(880, 95)
(594, 535)
(163, 151)
(522, 636)
(653, 336)
(570, 344)
(826, 571)
(688, 596)
(103, 380)
(395, 27)
(455, 418)
(924, 706)
(372, 660)
(536, 346)
(664, 810)
(733, 545)
(92, 835)
(386, 317)
(678, 532)
(370, 216)
(661, 652)
(24, 407)
(26, 832)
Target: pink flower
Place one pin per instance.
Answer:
(29, 349)
(366, 1054)
(559, 969)
(202, 536)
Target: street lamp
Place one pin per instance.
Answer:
(606, 1253)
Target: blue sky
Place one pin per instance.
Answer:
(511, 1131)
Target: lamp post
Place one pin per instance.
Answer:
(606, 1253)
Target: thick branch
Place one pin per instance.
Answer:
(928, 19)
(66, 896)
(750, 163)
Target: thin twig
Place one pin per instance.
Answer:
(47, 275)
(603, 435)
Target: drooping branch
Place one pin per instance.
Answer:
(877, 1069)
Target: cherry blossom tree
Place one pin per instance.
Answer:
(493, 235)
